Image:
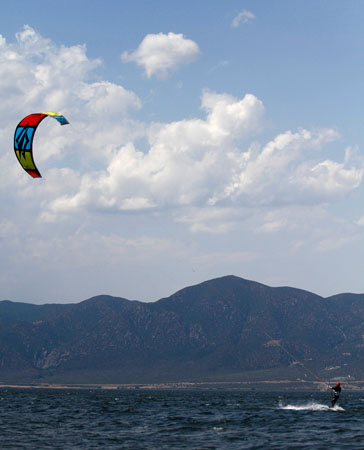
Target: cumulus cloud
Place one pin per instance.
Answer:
(106, 200)
(242, 17)
(36, 75)
(34, 72)
(160, 54)
(203, 149)
(211, 165)
(205, 163)
(328, 178)
(200, 164)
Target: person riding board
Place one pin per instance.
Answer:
(336, 393)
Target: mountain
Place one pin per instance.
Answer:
(223, 329)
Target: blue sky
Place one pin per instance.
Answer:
(206, 138)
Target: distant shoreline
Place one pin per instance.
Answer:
(244, 385)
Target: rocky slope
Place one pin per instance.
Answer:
(219, 329)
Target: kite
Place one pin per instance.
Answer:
(23, 139)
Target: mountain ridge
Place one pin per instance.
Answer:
(224, 327)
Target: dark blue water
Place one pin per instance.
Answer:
(141, 419)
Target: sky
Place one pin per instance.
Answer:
(206, 139)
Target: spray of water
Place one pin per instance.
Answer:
(310, 406)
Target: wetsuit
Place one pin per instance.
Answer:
(336, 394)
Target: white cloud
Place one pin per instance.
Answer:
(328, 178)
(200, 164)
(36, 75)
(187, 161)
(103, 199)
(243, 17)
(219, 172)
(204, 164)
(277, 173)
(160, 54)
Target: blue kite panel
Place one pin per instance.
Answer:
(62, 120)
(23, 138)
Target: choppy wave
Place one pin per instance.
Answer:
(178, 420)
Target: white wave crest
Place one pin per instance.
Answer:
(310, 406)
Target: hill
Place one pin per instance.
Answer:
(224, 329)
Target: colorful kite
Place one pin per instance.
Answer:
(23, 139)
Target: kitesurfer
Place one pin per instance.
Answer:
(335, 393)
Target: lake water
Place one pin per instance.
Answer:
(178, 419)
